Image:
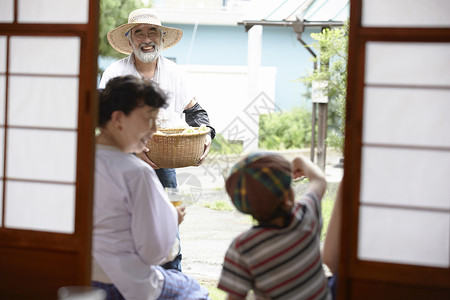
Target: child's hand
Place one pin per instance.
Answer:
(181, 211)
(298, 169)
(303, 166)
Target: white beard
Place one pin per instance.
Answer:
(147, 57)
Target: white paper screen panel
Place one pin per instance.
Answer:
(40, 206)
(41, 155)
(53, 11)
(2, 55)
(404, 236)
(3, 18)
(2, 79)
(45, 102)
(405, 13)
(7, 11)
(404, 193)
(402, 116)
(395, 63)
(2, 99)
(42, 123)
(405, 177)
(50, 55)
(2, 147)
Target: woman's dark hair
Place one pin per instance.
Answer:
(125, 93)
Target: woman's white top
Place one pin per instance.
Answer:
(134, 224)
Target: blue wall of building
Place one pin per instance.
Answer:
(212, 45)
(281, 49)
(227, 45)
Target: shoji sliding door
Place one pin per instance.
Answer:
(396, 231)
(48, 63)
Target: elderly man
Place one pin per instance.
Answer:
(143, 38)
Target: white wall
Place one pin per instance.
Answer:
(223, 91)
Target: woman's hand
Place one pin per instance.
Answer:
(181, 211)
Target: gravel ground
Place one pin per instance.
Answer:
(205, 236)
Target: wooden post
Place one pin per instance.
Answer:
(322, 135)
(299, 30)
(320, 98)
(313, 132)
(323, 116)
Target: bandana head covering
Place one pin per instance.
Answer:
(258, 184)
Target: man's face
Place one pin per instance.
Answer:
(146, 42)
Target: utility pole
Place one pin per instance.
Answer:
(323, 117)
(299, 27)
(319, 99)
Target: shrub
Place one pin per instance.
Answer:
(285, 130)
(220, 145)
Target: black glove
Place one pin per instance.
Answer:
(196, 116)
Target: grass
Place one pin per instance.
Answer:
(327, 208)
(216, 294)
(224, 205)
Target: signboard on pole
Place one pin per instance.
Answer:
(319, 91)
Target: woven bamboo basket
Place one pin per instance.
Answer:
(169, 148)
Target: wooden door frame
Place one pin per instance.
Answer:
(34, 264)
(365, 279)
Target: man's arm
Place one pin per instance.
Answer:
(192, 103)
(196, 116)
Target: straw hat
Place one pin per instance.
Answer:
(119, 41)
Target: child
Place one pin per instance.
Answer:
(135, 225)
(280, 257)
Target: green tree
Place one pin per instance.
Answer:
(112, 14)
(332, 48)
(285, 130)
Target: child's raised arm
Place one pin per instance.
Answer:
(331, 247)
(303, 166)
